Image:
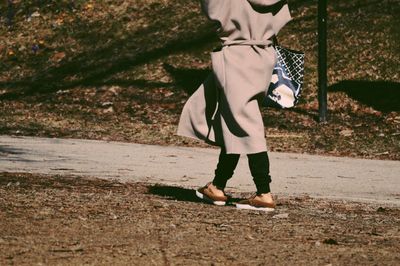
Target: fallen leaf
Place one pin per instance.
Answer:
(58, 56)
(382, 153)
(106, 104)
(35, 14)
(346, 132)
(281, 216)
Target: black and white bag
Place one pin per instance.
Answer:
(287, 79)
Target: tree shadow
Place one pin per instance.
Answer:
(383, 96)
(300, 3)
(356, 6)
(313, 114)
(97, 71)
(7, 150)
(187, 79)
(12, 154)
(102, 65)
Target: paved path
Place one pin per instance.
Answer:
(318, 176)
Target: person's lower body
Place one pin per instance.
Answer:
(259, 168)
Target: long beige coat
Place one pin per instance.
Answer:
(224, 110)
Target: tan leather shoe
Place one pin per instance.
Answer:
(255, 203)
(206, 194)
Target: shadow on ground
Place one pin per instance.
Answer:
(96, 68)
(180, 194)
(10, 150)
(381, 95)
(187, 79)
(174, 193)
(99, 65)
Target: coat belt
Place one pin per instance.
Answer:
(248, 42)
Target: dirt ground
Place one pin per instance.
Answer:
(70, 220)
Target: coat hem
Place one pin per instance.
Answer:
(214, 144)
(191, 136)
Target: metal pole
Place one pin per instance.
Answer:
(322, 60)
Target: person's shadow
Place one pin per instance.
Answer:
(179, 193)
(174, 193)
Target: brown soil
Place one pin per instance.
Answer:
(69, 221)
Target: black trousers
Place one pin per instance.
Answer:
(258, 164)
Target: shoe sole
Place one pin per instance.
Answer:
(207, 199)
(249, 207)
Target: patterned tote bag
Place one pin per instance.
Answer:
(287, 79)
